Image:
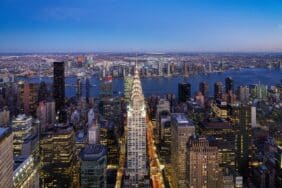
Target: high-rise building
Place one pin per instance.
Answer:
(160, 68)
(127, 88)
(87, 89)
(42, 92)
(59, 89)
(46, 114)
(202, 164)
(4, 117)
(229, 85)
(218, 90)
(28, 96)
(78, 88)
(58, 163)
(222, 134)
(244, 140)
(204, 89)
(26, 172)
(253, 116)
(136, 173)
(200, 99)
(6, 157)
(9, 93)
(93, 133)
(184, 92)
(107, 103)
(165, 137)
(108, 138)
(93, 166)
(186, 69)
(261, 91)
(168, 71)
(163, 107)
(106, 88)
(244, 93)
(22, 128)
(182, 129)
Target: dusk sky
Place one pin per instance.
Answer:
(140, 25)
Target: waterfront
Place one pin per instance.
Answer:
(164, 85)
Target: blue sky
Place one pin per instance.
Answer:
(140, 25)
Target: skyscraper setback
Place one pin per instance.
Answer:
(136, 174)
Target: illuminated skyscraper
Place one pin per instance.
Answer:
(106, 96)
(22, 128)
(26, 172)
(182, 129)
(202, 164)
(6, 158)
(136, 164)
(58, 159)
(93, 166)
(244, 144)
(59, 89)
(127, 88)
(254, 116)
(93, 133)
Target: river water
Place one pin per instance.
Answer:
(163, 85)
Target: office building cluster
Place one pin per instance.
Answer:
(73, 128)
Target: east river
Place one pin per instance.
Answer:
(163, 85)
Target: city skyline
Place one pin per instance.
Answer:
(126, 26)
(140, 94)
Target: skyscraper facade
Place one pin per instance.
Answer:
(218, 90)
(202, 164)
(182, 129)
(42, 92)
(204, 89)
(229, 85)
(6, 158)
(58, 163)
(22, 128)
(184, 92)
(87, 90)
(28, 97)
(136, 174)
(59, 88)
(78, 88)
(93, 166)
